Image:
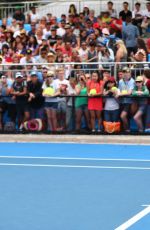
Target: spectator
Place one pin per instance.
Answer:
(125, 12)
(28, 58)
(33, 15)
(32, 44)
(51, 102)
(39, 35)
(61, 30)
(42, 58)
(111, 10)
(18, 15)
(111, 108)
(53, 37)
(72, 10)
(92, 55)
(69, 36)
(61, 112)
(81, 102)
(83, 52)
(105, 54)
(19, 94)
(140, 89)
(130, 33)
(86, 11)
(126, 86)
(47, 30)
(95, 105)
(70, 103)
(36, 101)
(137, 16)
(141, 47)
(33, 30)
(121, 54)
(146, 18)
(92, 17)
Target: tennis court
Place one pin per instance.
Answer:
(68, 186)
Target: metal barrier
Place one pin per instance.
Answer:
(137, 68)
(70, 110)
(60, 7)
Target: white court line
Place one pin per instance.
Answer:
(82, 142)
(134, 219)
(76, 158)
(74, 166)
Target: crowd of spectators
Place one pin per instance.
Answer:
(74, 56)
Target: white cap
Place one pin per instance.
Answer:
(19, 74)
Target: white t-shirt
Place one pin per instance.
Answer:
(61, 32)
(71, 91)
(46, 33)
(34, 17)
(58, 85)
(135, 12)
(83, 54)
(50, 99)
(24, 61)
(111, 104)
(146, 13)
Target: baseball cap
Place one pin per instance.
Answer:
(126, 69)
(50, 73)
(53, 28)
(45, 67)
(33, 73)
(139, 78)
(19, 74)
(67, 26)
(50, 54)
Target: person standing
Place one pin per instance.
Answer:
(130, 33)
(125, 12)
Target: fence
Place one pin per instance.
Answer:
(137, 68)
(60, 7)
(67, 116)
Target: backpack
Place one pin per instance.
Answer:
(9, 126)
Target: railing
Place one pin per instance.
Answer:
(137, 68)
(60, 7)
(70, 124)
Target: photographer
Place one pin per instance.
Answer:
(105, 54)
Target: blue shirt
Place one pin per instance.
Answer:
(130, 34)
(126, 85)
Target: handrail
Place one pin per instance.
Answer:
(75, 63)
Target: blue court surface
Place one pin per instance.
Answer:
(49, 186)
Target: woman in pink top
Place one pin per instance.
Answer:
(95, 104)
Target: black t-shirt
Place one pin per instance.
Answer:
(70, 38)
(124, 14)
(53, 39)
(36, 89)
(19, 87)
(19, 17)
